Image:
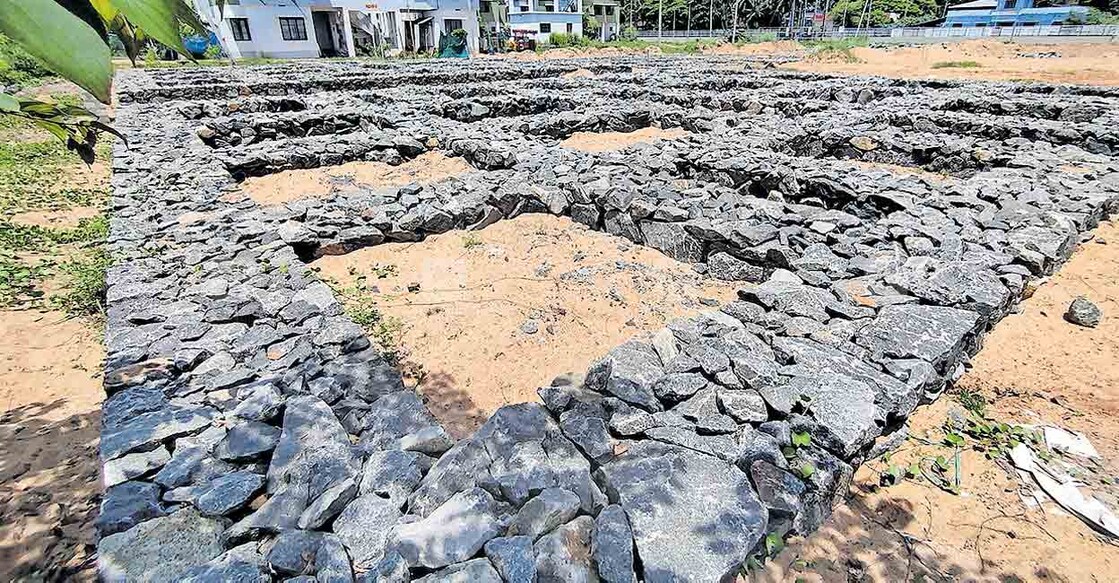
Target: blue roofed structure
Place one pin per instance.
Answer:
(1011, 13)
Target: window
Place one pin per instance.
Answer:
(1010, 4)
(570, 28)
(240, 28)
(485, 9)
(451, 24)
(545, 27)
(293, 28)
(957, 25)
(609, 10)
(524, 8)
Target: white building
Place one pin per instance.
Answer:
(541, 18)
(609, 16)
(336, 28)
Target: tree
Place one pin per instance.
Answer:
(71, 37)
(882, 12)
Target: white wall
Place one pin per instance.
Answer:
(264, 23)
(264, 28)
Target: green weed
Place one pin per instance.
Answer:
(84, 291)
(471, 240)
(973, 402)
(17, 280)
(955, 65)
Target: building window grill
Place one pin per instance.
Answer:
(293, 28)
(240, 28)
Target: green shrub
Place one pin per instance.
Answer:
(629, 33)
(17, 67)
(1097, 16)
(562, 39)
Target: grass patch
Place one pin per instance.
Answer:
(471, 240)
(836, 44)
(84, 284)
(17, 280)
(31, 172)
(835, 51)
(955, 65)
(15, 237)
(360, 301)
(37, 172)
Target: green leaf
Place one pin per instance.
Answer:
(8, 103)
(159, 19)
(802, 439)
(807, 470)
(88, 13)
(773, 544)
(62, 41)
(954, 439)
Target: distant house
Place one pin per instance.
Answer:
(540, 18)
(609, 16)
(1010, 13)
(336, 28)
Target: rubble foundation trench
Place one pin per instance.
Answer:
(878, 227)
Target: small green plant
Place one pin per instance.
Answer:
(994, 439)
(84, 293)
(973, 402)
(471, 240)
(384, 331)
(772, 545)
(955, 65)
(383, 271)
(17, 280)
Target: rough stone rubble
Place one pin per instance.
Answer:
(252, 432)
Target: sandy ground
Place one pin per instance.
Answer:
(1088, 63)
(50, 395)
(58, 219)
(1094, 64)
(503, 311)
(292, 185)
(50, 391)
(607, 141)
(1034, 367)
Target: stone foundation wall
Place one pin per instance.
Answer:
(253, 432)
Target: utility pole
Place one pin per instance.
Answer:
(660, 20)
(734, 27)
(711, 18)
